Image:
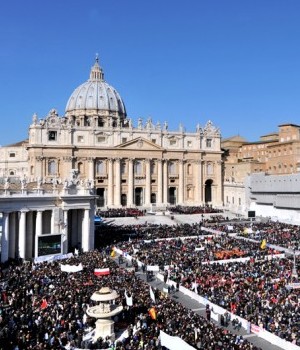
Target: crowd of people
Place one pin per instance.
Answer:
(256, 290)
(120, 212)
(277, 233)
(203, 209)
(45, 308)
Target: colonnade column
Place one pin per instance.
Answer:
(12, 235)
(38, 229)
(91, 169)
(65, 224)
(181, 183)
(159, 182)
(148, 183)
(165, 182)
(110, 189)
(85, 239)
(4, 239)
(22, 235)
(118, 182)
(130, 183)
(29, 234)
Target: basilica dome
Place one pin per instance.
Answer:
(96, 95)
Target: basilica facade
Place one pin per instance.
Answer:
(93, 156)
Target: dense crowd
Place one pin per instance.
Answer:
(44, 308)
(277, 233)
(205, 209)
(120, 212)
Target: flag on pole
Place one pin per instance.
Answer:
(152, 296)
(263, 244)
(102, 272)
(152, 313)
(129, 301)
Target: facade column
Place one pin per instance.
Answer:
(159, 182)
(85, 239)
(165, 182)
(38, 230)
(147, 201)
(64, 231)
(202, 185)
(110, 190)
(5, 236)
(130, 183)
(22, 235)
(219, 194)
(196, 182)
(181, 182)
(118, 182)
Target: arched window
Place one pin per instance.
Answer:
(172, 168)
(189, 169)
(52, 167)
(80, 168)
(189, 193)
(138, 167)
(100, 169)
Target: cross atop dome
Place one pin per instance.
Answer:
(96, 71)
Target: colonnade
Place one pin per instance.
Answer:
(21, 229)
(156, 182)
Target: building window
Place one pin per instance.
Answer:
(101, 139)
(80, 138)
(172, 168)
(52, 136)
(189, 169)
(123, 168)
(172, 142)
(52, 168)
(209, 169)
(124, 139)
(12, 173)
(12, 154)
(208, 143)
(189, 144)
(152, 168)
(138, 167)
(100, 168)
(153, 140)
(240, 201)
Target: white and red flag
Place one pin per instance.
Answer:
(102, 272)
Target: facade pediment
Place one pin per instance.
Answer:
(140, 144)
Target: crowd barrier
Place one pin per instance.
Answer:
(217, 311)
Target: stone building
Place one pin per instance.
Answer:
(94, 156)
(147, 165)
(277, 153)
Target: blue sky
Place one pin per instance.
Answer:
(235, 62)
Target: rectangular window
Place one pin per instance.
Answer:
(80, 138)
(189, 144)
(208, 143)
(124, 139)
(101, 139)
(52, 135)
(172, 142)
(153, 140)
(12, 154)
